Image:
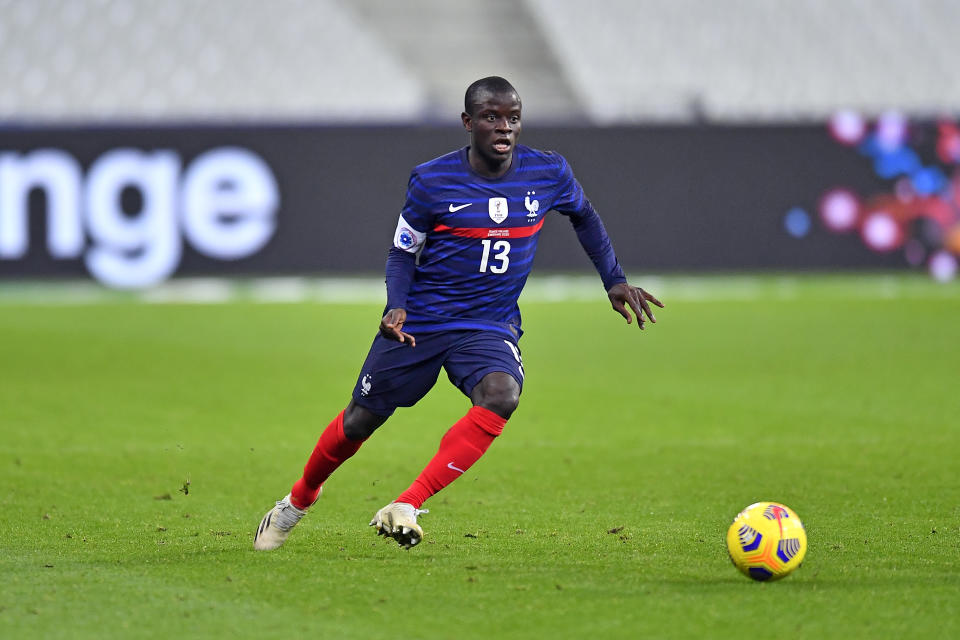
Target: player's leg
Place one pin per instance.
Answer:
(339, 441)
(497, 392)
(393, 375)
(488, 369)
(494, 398)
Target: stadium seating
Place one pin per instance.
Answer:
(185, 60)
(754, 60)
(384, 61)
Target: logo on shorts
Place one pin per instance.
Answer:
(498, 209)
(365, 384)
(516, 356)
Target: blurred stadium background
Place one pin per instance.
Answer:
(143, 141)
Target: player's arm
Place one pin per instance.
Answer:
(594, 239)
(408, 241)
(623, 296)
(401, 267)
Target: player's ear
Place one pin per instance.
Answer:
(467, 121)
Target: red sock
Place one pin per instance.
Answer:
(331, 451)
(462, 445)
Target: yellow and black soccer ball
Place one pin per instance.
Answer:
(767, 541)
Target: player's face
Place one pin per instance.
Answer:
(494, 126)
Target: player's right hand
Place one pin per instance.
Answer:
(392, 324)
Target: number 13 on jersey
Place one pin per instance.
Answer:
(500, 250)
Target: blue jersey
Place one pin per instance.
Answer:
(475, 237)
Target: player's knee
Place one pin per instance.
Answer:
(360, 423)
(504, 405)
(499, 393)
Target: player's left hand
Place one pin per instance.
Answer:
(623, 294)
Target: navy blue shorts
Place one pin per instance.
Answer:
(398, 375)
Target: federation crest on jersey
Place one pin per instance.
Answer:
(498, 209)
(405, 238)
(408, 238)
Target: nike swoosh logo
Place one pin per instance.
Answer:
(450, 466)
(454, 209)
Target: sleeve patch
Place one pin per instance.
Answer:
(408, 238)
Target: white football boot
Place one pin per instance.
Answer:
(399, 521)
(277, 524)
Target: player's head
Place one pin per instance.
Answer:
(492, 118)
(478, 91)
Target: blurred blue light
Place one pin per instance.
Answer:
(928, 181)
(869, 146)
(894, 163)
(797, 222)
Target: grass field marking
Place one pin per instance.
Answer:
(192, 291)
(542, 288)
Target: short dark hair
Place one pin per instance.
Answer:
(490, 84)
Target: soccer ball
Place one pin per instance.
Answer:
(766, 541)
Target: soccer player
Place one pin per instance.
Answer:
(462, 251)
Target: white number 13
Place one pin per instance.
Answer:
(500, 245)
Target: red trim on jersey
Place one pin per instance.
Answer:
(486, 232)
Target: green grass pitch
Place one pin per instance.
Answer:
(141, 444)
